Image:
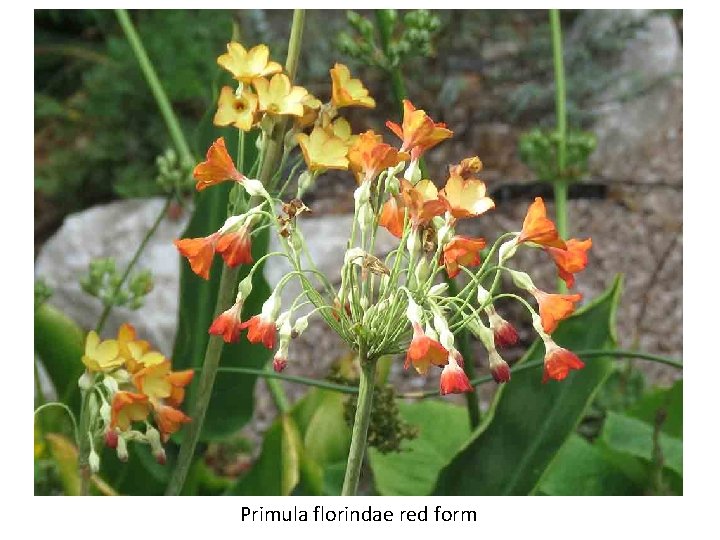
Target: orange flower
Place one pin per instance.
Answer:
(169, 420)
(217, 167)
(466, 198)
(538, 229)
(559, 362)
(157, 382)
(246, 65)
(392, 217)
(348, 92)
(227, 324)
(461, 251)
(424, 352)
(199, 253)
(369, 156)
(260, 330)
(571, 260)
(178, 381)
(235, 110)
(235, 247)
(128, 407)
(421, 201)
(453, 379)
(554, 307)
(418, 129)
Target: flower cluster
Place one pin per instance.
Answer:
(127, 384)
(393, 305)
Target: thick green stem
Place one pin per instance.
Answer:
(361, 424)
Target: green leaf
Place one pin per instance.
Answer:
(413, 471)
(529, 421)
(277, 471)
(60, 344)
(581, 468)
(140, 475)
(670, 400)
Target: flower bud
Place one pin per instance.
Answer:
(105, 412)
(412, 173)
(111, 384)
(444, 234)
(94, 461)
(522, 280)
(507, 250)
(301, 325)
(482, 295)
(305, 182)
(279, 363)
(255, 187)
(86, 381)
(152, 436)
(414, 244)
(498, 367)
(422, 270)
(121, 449)
(414, 313)
(111, 438)
(244, 289)
(438, 290)
(362, 195)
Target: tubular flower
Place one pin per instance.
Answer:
(461, 251)
(466, 198)
(424, 351)
(418, 129)
(499, 368)
(279, 96)
(261, 330)
(217, 167)
(571, 260)
(559, 362)
(348, 92)
(504, 333)
(538, 229)
(554, 307)
(169, 420)
(246, 65)
(103, 356)
(235, 110)
(199, 253)
(235, 247)
(392, 217)
(227, 324)
(323, 150)
(128, 407)
(368, 156)
(453, 379)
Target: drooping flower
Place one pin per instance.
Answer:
(466, 198)
(261, 330)
(128, 407)
(453, 379)
(571, 260)
(169, 420)
(418, 129)
(227, 324)
(348, 92)
(217, 167)
(392, 217)
(559, 362)
(323, 150)
(235, 247)
(246, 65)
(461, 251)
(238, 111)
(499, 368)
(504, 333)
(279, 96)
(554, 307)
(369, 156)
(538, 229)
(199, 253)
(421, 202)
(424, 351)
(102, 356)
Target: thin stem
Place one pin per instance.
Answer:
(155, 85)
(361, 424)
(268, 374)
(83, 445)
(136, 256)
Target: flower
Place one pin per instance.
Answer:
(504, 333)
(169, 420)
(279, 96)
(424, 351)
(311, 107)
(348, 92)
(227, 324)
(559, 362)
(323, 150)
(199, 253)
(461, 251)
(571, 260)
(261, 329)
(235, 110)
(128, 407)
(421, 201)
(538, 229)
(101, 355)
(246, 65)
(453, 379)
(217, 167)
(235, 247)
(418, 129)
(368, 156)
(466, 198)
(279, 362)
(554, 307)
(498, 367)
(467, 168)
(158, 382)
(392, 217)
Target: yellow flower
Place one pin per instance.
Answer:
(128, 407)
(323, 149)
(101, 356)
(238, 111)
(311, 106)
(279, 96)
(135, 352)
(157, 382)
(246, 65)
(348, 92)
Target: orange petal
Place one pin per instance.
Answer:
(217, 167)
(537, 228)
(199, 253)
(571, 260)
(554, 307)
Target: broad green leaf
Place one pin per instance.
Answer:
(60, 344)
(580, 468)
(670, 400)
(529, 421)
(631, 436)
(277, 470)
(413, 470)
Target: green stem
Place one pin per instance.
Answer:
(155, 86)
(228, 281)
(136, 256)
(84, 445)
(361, 424)
(269, 374)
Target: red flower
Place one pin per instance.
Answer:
(499, 368)
(279, 363)
(424, 351)
(504, 332)
(235, 247)
(199, 253)
(453, 379)
(260, 330)
(227, 324)
(559, 362)
(461, 251)
(571, 260)
(537, 228)
(217, 167)
(554, 307)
